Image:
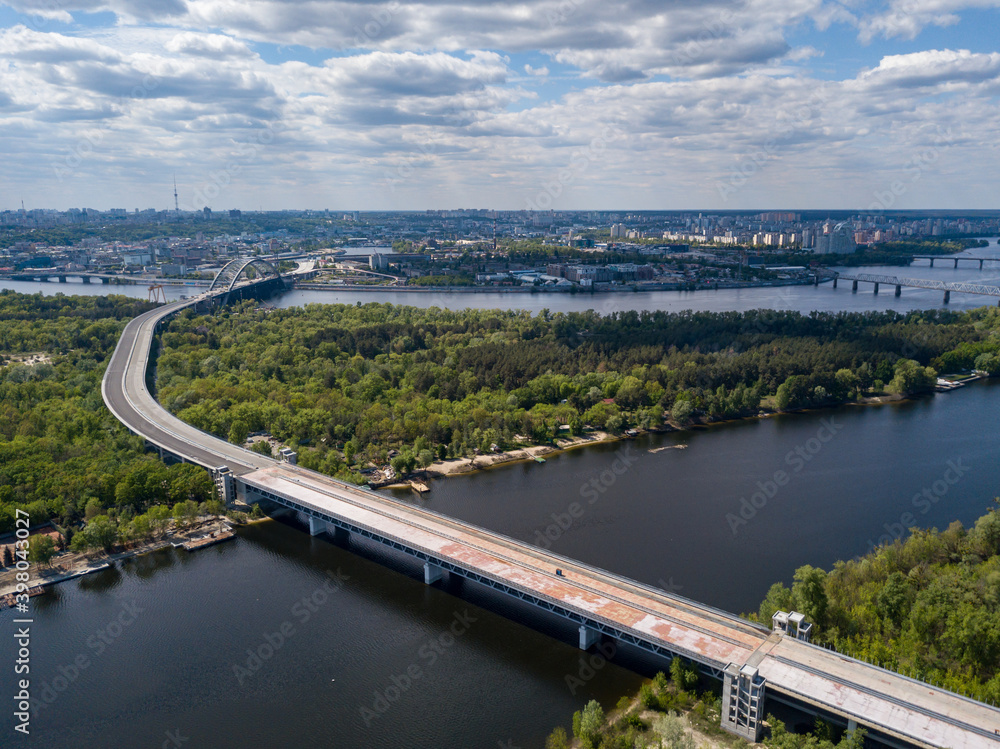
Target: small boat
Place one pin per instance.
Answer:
(539, 459)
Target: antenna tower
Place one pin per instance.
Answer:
(177, 205)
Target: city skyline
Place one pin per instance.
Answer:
(568, 105)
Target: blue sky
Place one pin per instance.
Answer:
(568, 104)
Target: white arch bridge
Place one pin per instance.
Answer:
(243, 270)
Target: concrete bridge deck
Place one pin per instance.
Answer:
(750, 658)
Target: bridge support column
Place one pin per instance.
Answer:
(876, 288)
(932, 262)
(980, 265)
(86, 279)
(852, 726)
(956, 262)
(588, 637)
(854, 286)
(899, 289)
(225, 484)
(432, 573)
(743, 701)
(947, 297)
(316, 526)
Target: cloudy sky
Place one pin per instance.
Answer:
(572, 104)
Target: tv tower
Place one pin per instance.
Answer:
(177, 205)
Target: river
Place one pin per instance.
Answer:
(157, 649)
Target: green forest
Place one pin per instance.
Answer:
(345, 385)
(928, 607)
(63, 456)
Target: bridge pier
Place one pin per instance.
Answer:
(588, 637)
(852, 726)
(980, 265)
(854, 286)
(432, 573)
(956, 262)
(932, 262)
(743, 701)
(225, 484)
(316, 526)
(86, 279)
(947, 297)
(834, 282)
(876, 289)
(899, 290)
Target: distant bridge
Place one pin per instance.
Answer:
(916, 283)
(44, 275)
(956, 258)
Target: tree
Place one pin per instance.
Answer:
(557, 739)
(681, 412)
(238, 432)
(158, 516)
(212, 507)
(911, 378)
(683, 674)
(92, 509)
(670, 730)
(591, 723)
(8, 557)
(809, 593)
(141, 527)
(41, 549)
(99, 533)
(892, 601)
(185, 513)
(778, 598)
(263, 447)
(350, 450)
(988, 363)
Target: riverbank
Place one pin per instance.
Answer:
(69, 565)
(490, 460)
(602, 289)
(466, 466)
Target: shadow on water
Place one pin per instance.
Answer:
(389, 578)
(102, 582)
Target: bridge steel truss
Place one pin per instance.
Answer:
(920, 283)
(587, 621)
(231, 272)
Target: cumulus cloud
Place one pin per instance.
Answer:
(421, 103)
(907, 18)
(932, 68)
(213, 46)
